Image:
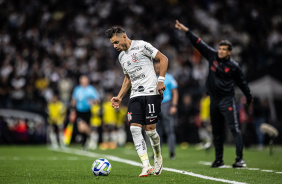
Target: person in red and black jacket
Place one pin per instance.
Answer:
(224, 72)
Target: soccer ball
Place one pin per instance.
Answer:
(101, 167)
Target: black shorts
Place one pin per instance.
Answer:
(85, 116)
(144, 110)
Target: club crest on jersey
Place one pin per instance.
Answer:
(129, 117)
(226, 69)
(134, 57)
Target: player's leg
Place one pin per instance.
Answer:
(52, 136)
(154, 138)
(136, 119)
(94, 138)
(105, 137)
(206, 134)
(228, 109)
(153, 109)
(83, 126)
(217, 121)
(113, 136)
(61, 135)
(121, 135)
(160, 128)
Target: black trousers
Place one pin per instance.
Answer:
(224, 110)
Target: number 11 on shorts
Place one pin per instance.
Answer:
(151, 108)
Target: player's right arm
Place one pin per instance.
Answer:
(197, 42)
(163, 68)
(115, 101)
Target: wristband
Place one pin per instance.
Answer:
(161, 79)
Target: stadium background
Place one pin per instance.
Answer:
(46, 45)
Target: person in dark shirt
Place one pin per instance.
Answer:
(224, 72)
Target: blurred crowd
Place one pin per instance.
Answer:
(46, 45)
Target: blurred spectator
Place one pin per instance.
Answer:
(109, 123)
(96, 123)
(121, 114)
(56, 117)
(205, 129)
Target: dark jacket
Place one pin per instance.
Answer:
(223, 74)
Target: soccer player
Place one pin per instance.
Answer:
(204, 127)
(224, 72)
(84, 95)
(169, 109)
(109, 123)
(95, 123)
(56, 117)
(136, 59)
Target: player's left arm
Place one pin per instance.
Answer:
(163, 68)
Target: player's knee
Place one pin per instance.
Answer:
(83, 127)
(135, 130)
(150, 127)
(151, 133)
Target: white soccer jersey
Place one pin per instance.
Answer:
(137, 62)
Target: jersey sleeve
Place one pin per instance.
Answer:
(149, 50)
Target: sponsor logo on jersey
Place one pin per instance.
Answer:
(148, 49)
(134, 57)
(151, 117)
(134, 48)
(141, 76)
(140, 88)
(136, 70)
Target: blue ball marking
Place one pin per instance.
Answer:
(101, 167)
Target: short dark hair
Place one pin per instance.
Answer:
(226, 42)
(113, 31)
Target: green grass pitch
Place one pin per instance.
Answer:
(40, 164)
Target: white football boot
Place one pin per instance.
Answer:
(146, 171)
(158, 165)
